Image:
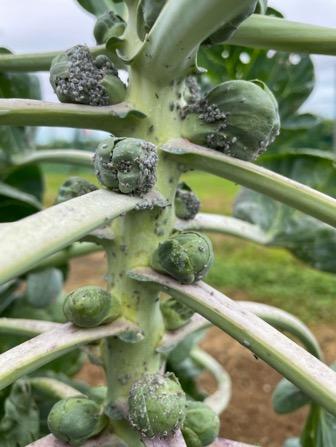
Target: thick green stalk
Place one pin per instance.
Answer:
(36, 61)
(260, 31)
(171, 46)
(136, 236)
(255, 177)
(311, 375)
(119, 119)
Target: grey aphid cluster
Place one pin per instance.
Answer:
(239, 118)
(74, 187)
(79, 78)
(126, 165)
(187, 204)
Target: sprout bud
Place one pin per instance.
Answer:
(201, 425)
(187, 204)
(186, 256)
(76, 419)
(91, 306)
(157, 405)
(175, 314)
(74, 187)
(126, 165)
(78, 78)
(238, 118)
(108, 25)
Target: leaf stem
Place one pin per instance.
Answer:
(255, 177)
(291, 360)
(55, 228)
(103, 440)
(53, 388)
(74, 251)
(38, 351)
(220, 399)
(63, 156)
(284, 321)
(117, 119)
(28, 328)
(215, 223)
(260, 31)
(31, 62)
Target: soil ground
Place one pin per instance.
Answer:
(250, 417)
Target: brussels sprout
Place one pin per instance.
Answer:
(76, 77)
(187, 204)
(238, 118)
(74, 187)
(126, 165)
(156, 405)
(108, 25)
(201, 425)
(76, 419)
(91, 306)
(175, 314)
(186, 256)
(43, 286)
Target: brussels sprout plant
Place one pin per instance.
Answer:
(182, 108)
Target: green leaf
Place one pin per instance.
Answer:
(307, 238)
(20, 424)
(148, 12)
(44, 286)
(28, 179)
(305, 131)
(17, 85)
(184, 367)
(8, 293)
(290, 77)
(98, 7)
(21, 193)
(326, 431)
(7, 191)
(261, 7)
(288, 397)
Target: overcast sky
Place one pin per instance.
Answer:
(44, 25)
